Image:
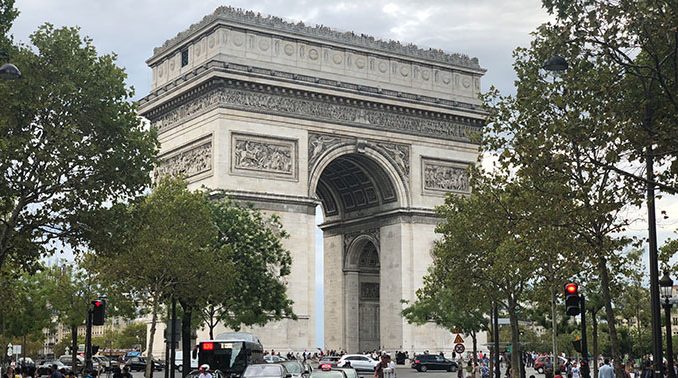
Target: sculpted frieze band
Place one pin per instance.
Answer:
(256, 154)
(323, 108)
(397, 154)
(445, 176)
(191, 160)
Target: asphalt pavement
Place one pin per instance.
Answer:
(401, 372)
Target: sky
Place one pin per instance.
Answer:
(487, 29)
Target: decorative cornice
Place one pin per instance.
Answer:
(235, 94)
(314, 82)
(278, 24)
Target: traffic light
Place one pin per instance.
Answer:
(98, 312)
(572, 306)
(577, 345)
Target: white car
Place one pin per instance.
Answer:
(358, 362)
(273, 359)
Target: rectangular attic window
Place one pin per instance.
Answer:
(184, 57)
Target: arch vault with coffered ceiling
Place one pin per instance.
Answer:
(289, 117)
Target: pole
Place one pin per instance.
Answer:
(654, 268)
(585, 370)
(669, 341)
(167, 347)
(88, 342)
(173, 338)
(495, 328)
(554, 324)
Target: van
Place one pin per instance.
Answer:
(178, 360)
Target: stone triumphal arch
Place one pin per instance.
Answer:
(288, 117)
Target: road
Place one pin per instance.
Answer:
(401, 372)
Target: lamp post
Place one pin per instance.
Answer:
(666, 286)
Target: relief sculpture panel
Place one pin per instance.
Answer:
(440, 177)
(189, 161)
(264, 156)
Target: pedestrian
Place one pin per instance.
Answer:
(568, 368)
(204, 371)
(391, 365)
(55, 373)
(606, 371)
(379, 369)
(460, 368)
(125, 373)
(576, 372)
(558, 375)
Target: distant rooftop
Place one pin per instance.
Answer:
(238, 15)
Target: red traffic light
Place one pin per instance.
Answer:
(97, 303)
(571, 288)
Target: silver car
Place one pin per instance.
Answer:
(266, 371)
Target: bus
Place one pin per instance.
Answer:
(231, 352)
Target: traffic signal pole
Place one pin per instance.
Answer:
(88, 341)
(585, 370)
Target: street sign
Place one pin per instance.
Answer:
(459, 348)
(458, 339)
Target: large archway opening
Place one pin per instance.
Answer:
(354, 189)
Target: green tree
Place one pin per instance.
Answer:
(253, 244)
(452, 310)
(70, 142)
(71, 291)
(25, 311)
(159, 247)
(490, 238)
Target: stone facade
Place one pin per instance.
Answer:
(289, 117)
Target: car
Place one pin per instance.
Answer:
(329, 360)
(540, 363)
(328, 371)
(67, 360)
(266, 371)
(359, 362)
(273, 359)
(424, 362)
(296, 368)
(105, 363)
(45, 368)
(139, 364)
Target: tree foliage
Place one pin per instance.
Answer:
(70, 142)
(253, 242)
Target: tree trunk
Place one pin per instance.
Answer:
(609, 312)
(186, 346)
(475, 346)
(515, 340)
(74, 348)
(151, 338)
(594, 325)
(554, 325)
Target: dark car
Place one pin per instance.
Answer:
(139, 364)
(45, 367)
(424, 362)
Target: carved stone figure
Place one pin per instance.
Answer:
(446, 178)
(186, 163)
(322, 108)
(263, 155)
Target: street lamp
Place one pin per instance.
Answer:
(8, 71)
(666, 286)
(555, 64)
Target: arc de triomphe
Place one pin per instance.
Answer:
(289, 116)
